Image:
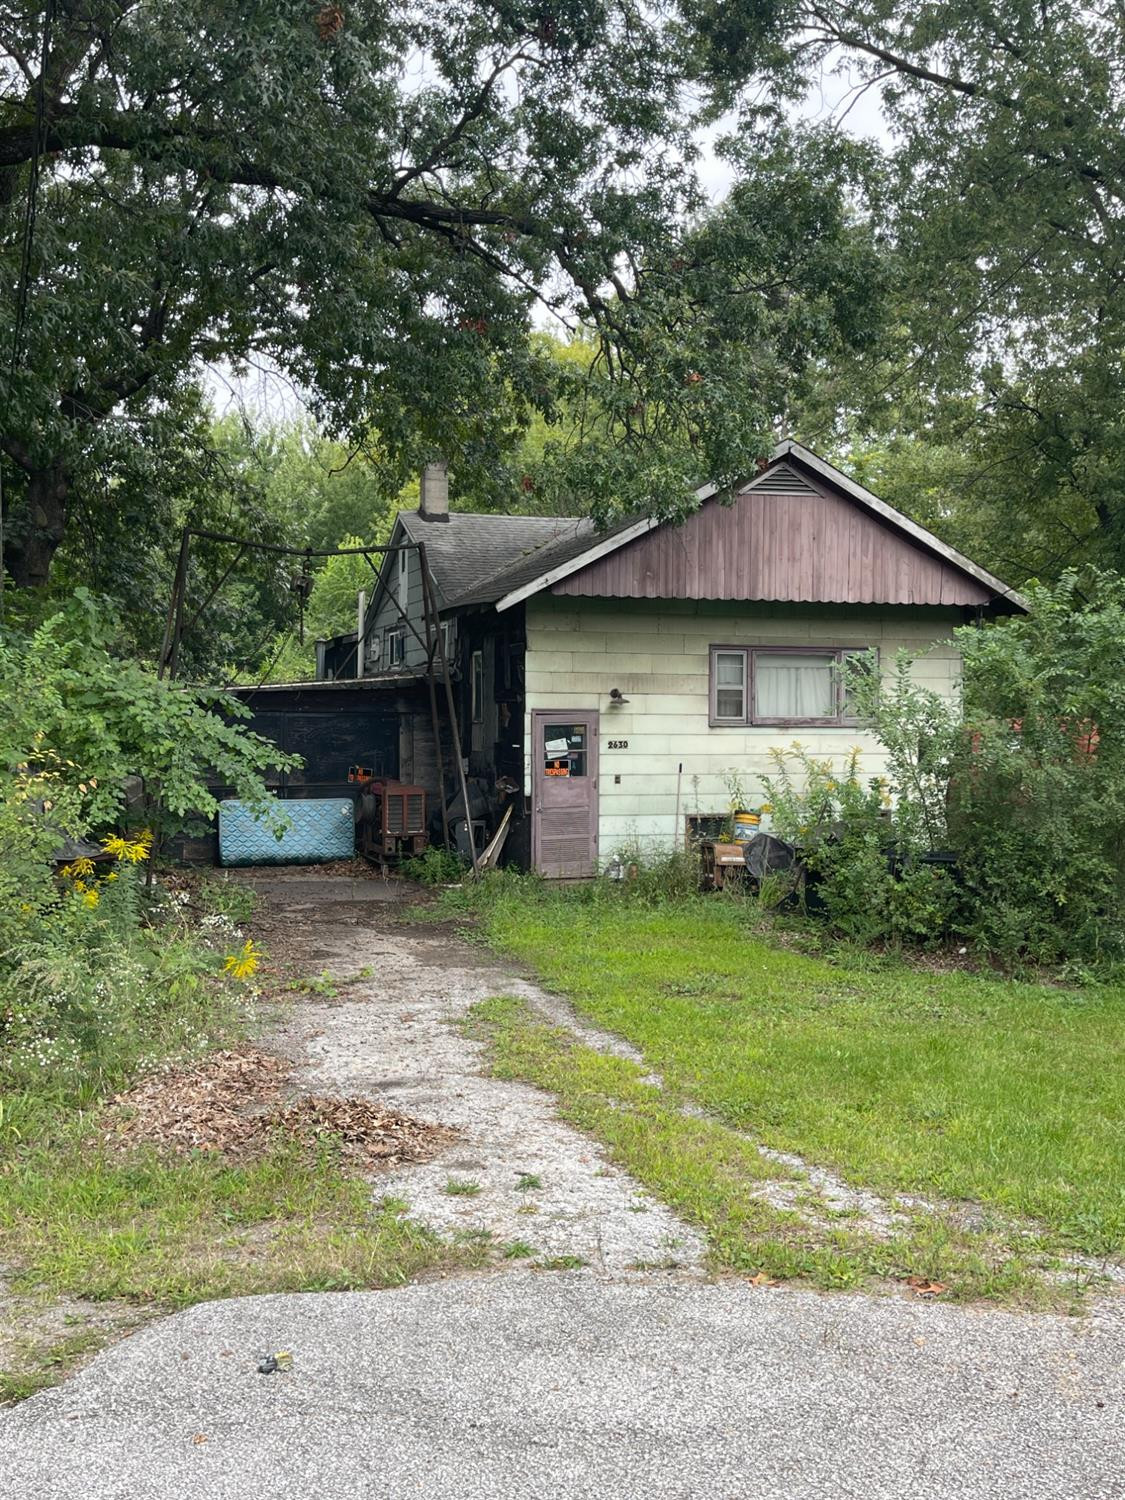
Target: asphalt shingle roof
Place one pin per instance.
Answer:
(474, 557)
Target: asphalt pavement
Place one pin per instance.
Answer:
(565, 1384)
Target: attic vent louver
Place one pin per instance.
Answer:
(782, 480)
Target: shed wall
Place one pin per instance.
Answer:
(657, 654)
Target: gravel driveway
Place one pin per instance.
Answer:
(616, 1382)
(574, 1386)
(394, 1036)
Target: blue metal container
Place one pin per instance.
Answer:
(319, 828)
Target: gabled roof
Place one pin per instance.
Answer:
(471, 546)
(786, 472)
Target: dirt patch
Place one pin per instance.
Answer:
(232, 1103)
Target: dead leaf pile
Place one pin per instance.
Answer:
(230, 1103)
(216, 1105)
(364, 1133)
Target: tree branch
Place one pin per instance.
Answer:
(903, 64)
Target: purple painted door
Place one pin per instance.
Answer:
(565, 793)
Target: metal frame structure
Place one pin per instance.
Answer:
(433, 644)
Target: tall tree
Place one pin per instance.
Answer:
(375, 197)
(1005, 205)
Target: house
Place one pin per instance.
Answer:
(609, 684)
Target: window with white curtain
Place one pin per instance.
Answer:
(780, 685)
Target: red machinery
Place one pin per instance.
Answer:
(391, 818)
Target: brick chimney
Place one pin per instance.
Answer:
(433, 498)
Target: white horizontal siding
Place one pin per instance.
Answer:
(658, 655)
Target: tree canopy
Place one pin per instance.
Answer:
(374, 198)
(389, 201)
(1003, 205)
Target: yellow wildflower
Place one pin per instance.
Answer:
(79, 868)
(244, 963)
(141, 847)
(766, 807)
(111, 876)
(90, 899)
(131, 851)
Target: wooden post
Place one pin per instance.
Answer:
(454, 731)
(433, 626)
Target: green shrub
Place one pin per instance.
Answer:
(102, 720)
(1024, 782)
(1037, 791)
(861, 851)
(99, 974)
(435, 866)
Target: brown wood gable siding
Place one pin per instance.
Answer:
(813, 546)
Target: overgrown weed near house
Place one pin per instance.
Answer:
(995, 1101)
(1001, 820)
(434, 866)
(104, 976)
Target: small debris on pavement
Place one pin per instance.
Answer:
(282, 1360)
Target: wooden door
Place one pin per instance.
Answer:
(565, 793)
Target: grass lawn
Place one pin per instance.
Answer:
(89, 1225)
(945, 1085)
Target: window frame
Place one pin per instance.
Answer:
(713, 686)
(750, 720)
(395, 635)
(476, 687)
(403, 580)
(448, 630)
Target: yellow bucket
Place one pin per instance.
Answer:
(744, 826)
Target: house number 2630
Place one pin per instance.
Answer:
(618, 745)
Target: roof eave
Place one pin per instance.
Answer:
(575, 564)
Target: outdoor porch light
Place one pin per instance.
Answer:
(616, 698)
